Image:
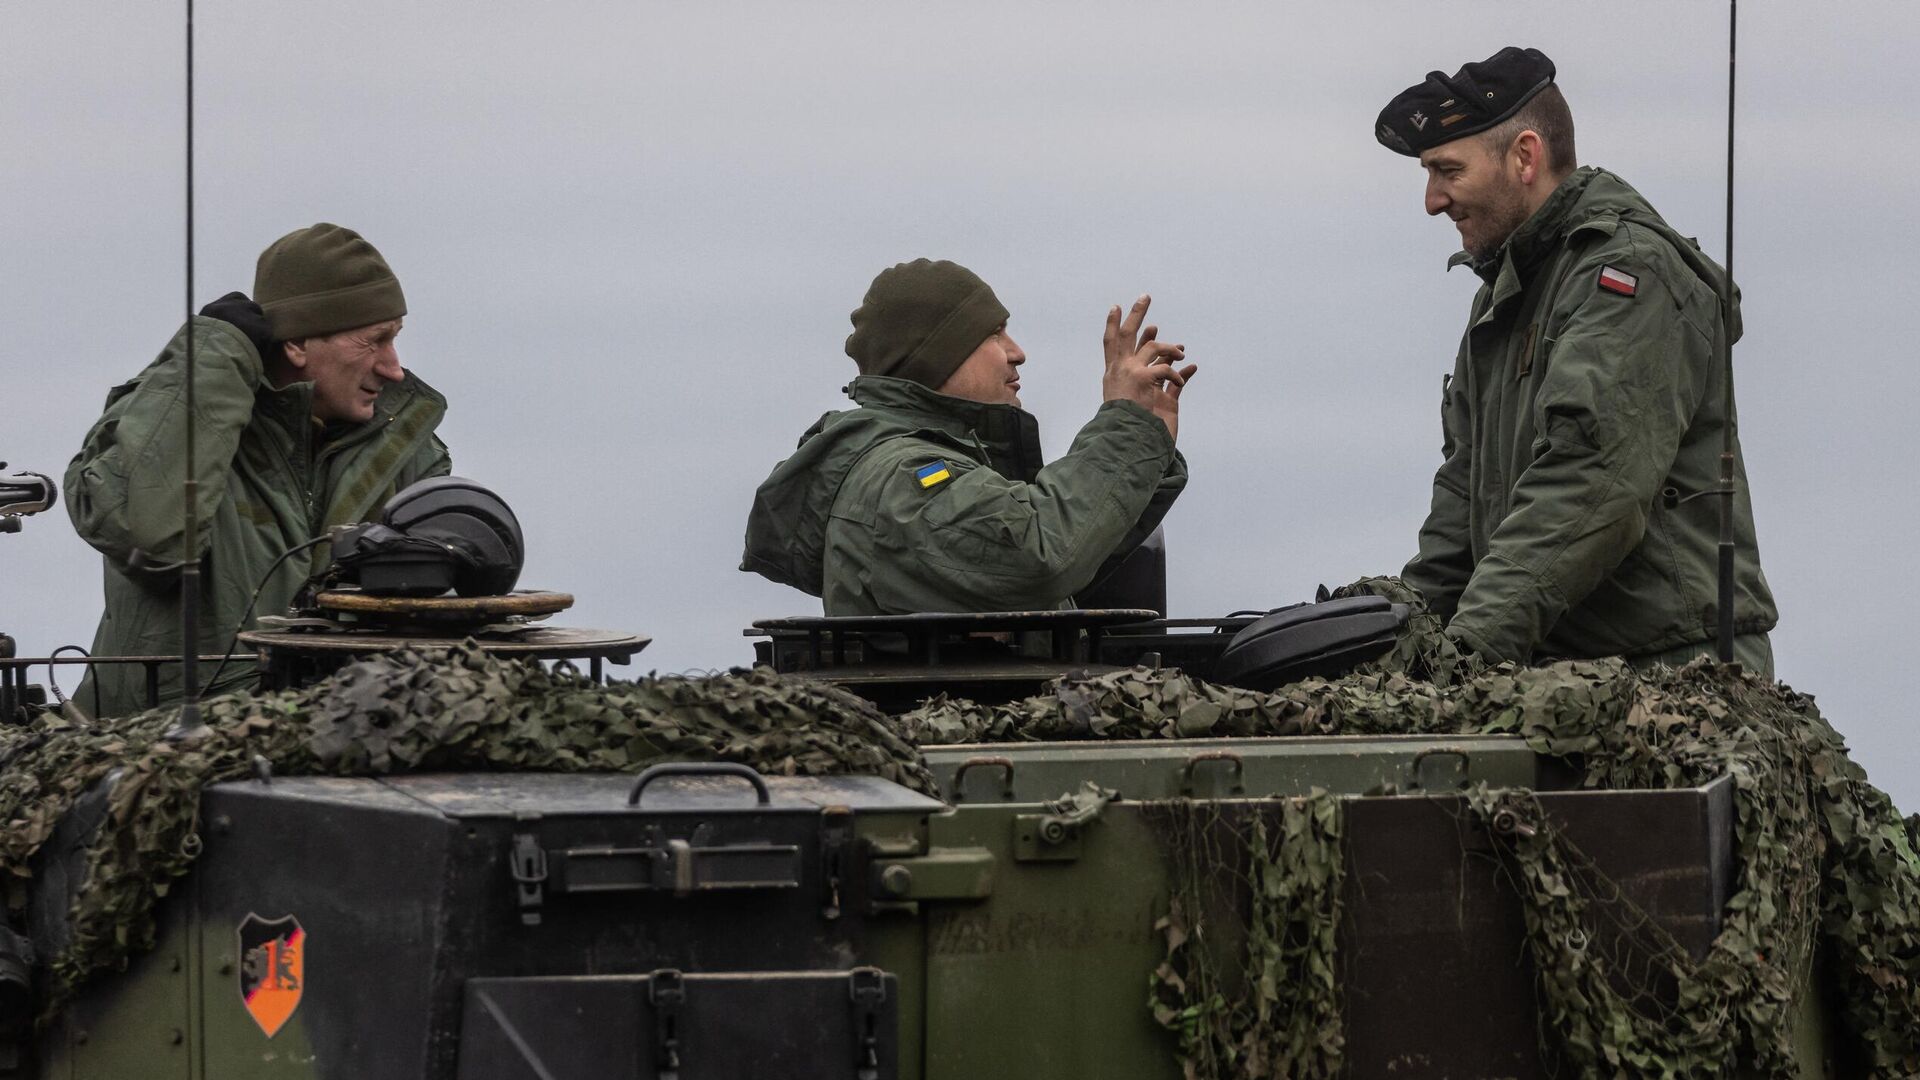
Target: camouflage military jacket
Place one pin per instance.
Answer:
(917, 501)
(1588, 381)
(267, 482)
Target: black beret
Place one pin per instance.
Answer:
(1477, 97)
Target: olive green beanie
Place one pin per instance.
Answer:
(920, 320)
(324, 279)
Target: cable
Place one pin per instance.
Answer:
(234, 638)
(53, 681)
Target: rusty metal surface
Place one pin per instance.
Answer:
(537, 642)
(526, 603)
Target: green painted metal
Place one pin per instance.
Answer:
(1227, 768)
(1019, 923)
(945, 873)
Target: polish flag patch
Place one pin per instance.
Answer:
(1618, 281)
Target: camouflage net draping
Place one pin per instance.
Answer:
(400, 712)
(1275, 1012)
(1823, 856)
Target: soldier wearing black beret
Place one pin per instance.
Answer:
(1589, 383)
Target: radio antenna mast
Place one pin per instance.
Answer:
(1727, 493)
(188, 725)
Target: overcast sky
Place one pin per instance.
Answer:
(630, 235)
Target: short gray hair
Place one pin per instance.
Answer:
(1546, 115)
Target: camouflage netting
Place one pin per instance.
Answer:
(1823, 857)
(455, 709)
(1276, 1012)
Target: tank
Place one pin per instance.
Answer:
(1346, 903)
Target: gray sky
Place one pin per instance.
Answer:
(630, 235)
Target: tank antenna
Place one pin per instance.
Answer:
(1727, 491)
(188, 725)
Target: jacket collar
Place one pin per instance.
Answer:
(1506, 271)
(1009, 434)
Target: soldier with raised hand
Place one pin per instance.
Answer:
(304, 419)
(932, 496)
(1588, 384)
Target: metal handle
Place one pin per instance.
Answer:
(1006, 783)
(701, 768)
(1239, 769)
(1429, 779)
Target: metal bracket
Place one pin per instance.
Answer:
(941, 874)
(836, 855)
(676, 866)
(667, 993)
(1055, 836)
(529, 866)
(867, 990)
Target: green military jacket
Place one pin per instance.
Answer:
(269, 478)
(1589, 380)
(917, 501)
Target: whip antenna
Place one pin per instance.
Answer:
(1726, 345)
(189, 721)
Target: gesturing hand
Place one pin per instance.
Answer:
(1143, 370)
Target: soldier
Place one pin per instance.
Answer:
(1588, 382)
(931, 496)
(305, 419)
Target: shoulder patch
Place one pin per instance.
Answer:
(1615, 280)
(933, 474)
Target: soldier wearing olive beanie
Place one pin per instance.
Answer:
(321, 279)
(304, 419)
(932, 495)
(921, 319)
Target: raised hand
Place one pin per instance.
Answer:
(1142, 369)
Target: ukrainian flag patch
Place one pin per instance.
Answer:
(933, 474)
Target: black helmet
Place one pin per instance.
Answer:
(439, 533)
(1326, 639)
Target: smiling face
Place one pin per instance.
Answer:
(347, 369)
(990, 374)
(1485, 191)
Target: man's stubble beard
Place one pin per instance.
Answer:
(1506, 214)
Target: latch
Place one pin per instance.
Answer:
(867, 989)
(836, 854)
(1055, 836)
(941, 874)
(529, 865)
(667, 993)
